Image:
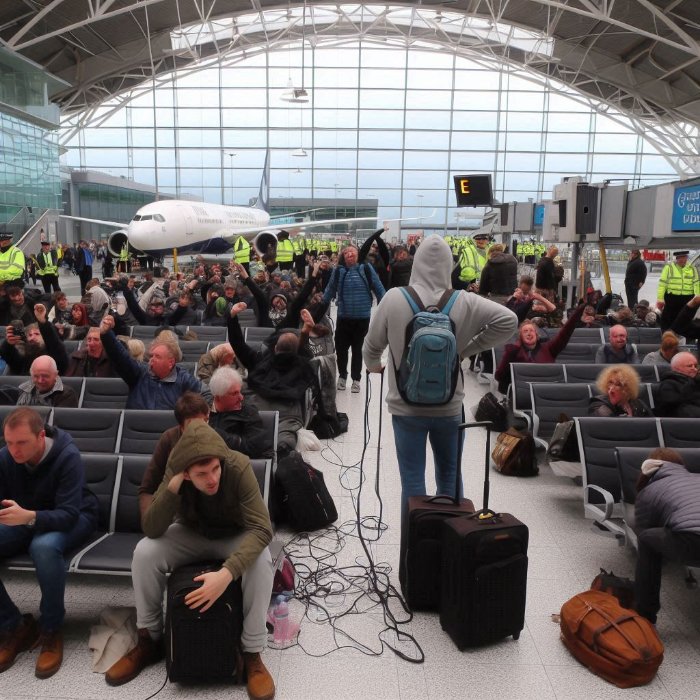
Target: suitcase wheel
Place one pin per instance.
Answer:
(516, 636)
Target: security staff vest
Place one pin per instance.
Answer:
(678, 281)
(11, 264)
(241, 250)
(285, 251)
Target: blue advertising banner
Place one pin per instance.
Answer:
(686, 209)
(538, 216)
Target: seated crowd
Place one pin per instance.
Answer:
(199, 498)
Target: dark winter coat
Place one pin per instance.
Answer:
(636, 272)
(602, 406)
(56, 490)
(499, 276)
(678, 396)
(671, 499)
(80, 366)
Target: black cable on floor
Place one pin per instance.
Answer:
(359, 588)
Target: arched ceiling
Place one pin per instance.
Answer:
(639, 57)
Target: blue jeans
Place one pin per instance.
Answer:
(411, 434)
(47, 550)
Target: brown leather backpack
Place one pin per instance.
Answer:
(514, 454)
(615, 643)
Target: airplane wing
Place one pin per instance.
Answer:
(115, 224)
(312, 224)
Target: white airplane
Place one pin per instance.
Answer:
(198, 227)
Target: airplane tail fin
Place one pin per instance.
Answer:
(263, 201)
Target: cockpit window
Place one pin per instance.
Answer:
(159, 217)
(147, 217)
(137, 217)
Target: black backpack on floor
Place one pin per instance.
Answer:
(301, 495)
(203, 646)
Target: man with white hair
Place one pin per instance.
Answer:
(45, 387)
(678, 394)
(238, 419)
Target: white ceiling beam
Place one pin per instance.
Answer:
(101, 14)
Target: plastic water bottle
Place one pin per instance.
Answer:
(281, 617)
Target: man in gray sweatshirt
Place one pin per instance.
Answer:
(480, 324)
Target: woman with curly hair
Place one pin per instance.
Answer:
(619, 387)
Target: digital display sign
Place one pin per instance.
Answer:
(473, 190)
(538, 215)
(686, 209)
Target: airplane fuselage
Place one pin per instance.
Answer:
(191, 227)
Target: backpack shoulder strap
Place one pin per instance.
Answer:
(413, 299)
(447, 300)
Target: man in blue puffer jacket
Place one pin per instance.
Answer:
(353, 284)
(47, 511)
(154, 386)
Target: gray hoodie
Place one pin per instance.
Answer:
(480, 324)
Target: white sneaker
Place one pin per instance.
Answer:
(355, 389)
(341, 384)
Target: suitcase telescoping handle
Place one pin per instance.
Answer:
(479, 424)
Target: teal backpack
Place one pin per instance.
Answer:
(429, 369)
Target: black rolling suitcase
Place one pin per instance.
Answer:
(484, 576)
(420, 564)
(203, 646)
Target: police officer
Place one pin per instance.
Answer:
(678, 284)
(124, 258)
(241, 252)
(472, 260)
(47, 262)
(11, 261)
(285, 251)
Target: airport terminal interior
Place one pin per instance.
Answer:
(582, 120)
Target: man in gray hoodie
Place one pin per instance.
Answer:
(480, 324)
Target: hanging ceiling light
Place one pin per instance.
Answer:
(292, 94)
(300, 153)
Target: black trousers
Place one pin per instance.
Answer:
(85, 276)
(655, 545)
(350, 334)
(300, 264)
(632, 294)
(286, 265)
(50, 281)
(674, 304)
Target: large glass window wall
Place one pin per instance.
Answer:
(382, 123)
(29, 167)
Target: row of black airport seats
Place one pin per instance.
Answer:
(602, 335)
(115, 480)
(552, 401)
(127, 431)
(599, 438)
(523, 374)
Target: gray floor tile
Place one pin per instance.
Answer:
(578, 683)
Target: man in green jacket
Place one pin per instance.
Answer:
(208, 506)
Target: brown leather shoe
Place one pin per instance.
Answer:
(145, 653)
(260, 683)
(51, 655)
(17, 640)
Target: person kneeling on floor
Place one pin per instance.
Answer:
(208, 506)
(48, 511)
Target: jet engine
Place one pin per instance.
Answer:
(265, 242)
(116, 242)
